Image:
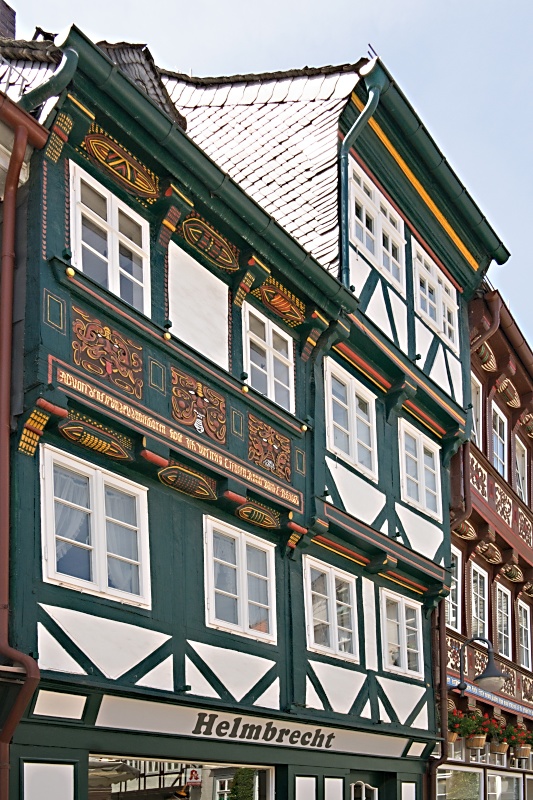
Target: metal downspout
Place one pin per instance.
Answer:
(31, 678)
(375, 82)
(494, 302)
(467, 495)
(59, 80)
(435, 763)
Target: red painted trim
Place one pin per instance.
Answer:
(403, 579)
(233, 497)
(344, 348)
(341, 549)
(296, 528)
(430, 421)
(153, 458)
(57, 411)
(36, 431)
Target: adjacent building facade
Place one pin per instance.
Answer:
(236, 405)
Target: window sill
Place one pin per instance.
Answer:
(350, 659)
(417, 507)
(238, 632)
(339, 455)
(64, 583)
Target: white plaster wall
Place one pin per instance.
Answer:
(48, 781)
(360, 498)
(425, 537)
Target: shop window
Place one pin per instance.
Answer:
(480, 604)
(240, 586)
(524, 635)
(94, 529)
(459, 783)
(477, 416)
(402, 634)
(331, 610)
(350, 419)
(436, 298)
(110, 241)
(503, 620)
(420, 470)
(377, 229)
(503, 787)
(499, 441)
(453, 601)
(268, 358)
(521, 462)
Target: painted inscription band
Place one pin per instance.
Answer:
(107, 400)
(496, 699)
(208, 725)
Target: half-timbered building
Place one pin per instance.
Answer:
(492, 555)
(242, 371)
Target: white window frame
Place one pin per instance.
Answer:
(115, 238)
(521, 472)
(331, 573)
(423, 443)
(271, 353)
(387, 225)
(500, 464)
(454, 599)
(498, 776)
(242, 538)
(98, 479)
(482, 579)
(403, 603)
(355, 390)
(476, 390)
(444, 297)
(504, 636)
(524, 648)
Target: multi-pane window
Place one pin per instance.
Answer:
(436, 297)
(268, 358)
(239, 574)
(453, 601)
(377, 228)
(499, 441)
(95, 529)
(477, 424)
(524, 635)
(223, 788)
(350, 419)
(521, 459)
(110, 241)
(330, 609)
(480, 604)
(420, 470)
(402, 634)
(503, 620)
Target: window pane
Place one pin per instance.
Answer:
(224, 548)
(338, 390)
(71, 486)
(93, 200)
(258, 590)
(94, 236)
(282, 395)
(73, 560)
(120, 506)
(280, 344)
(131, 293)
(72, 523)
(225, 578)
(318, 581)
(256, 560)
(94, 267)
(128, 227)
(226, 608)
(122, 575)
(258, 355)
(341, 440)
(257, 326)
(130, 262)
(122, 541)
(258, 380)
(340, 415)
(258, 619)
(281, 371)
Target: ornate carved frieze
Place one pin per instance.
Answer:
(196, 405)
(268, 448)
(281, 302)
(454, 646)
(120, 164)
(525, 528)
(478, 477)
(105, 352)
(504, 506)
(211, 244)
(188, 481)
(92, 435)
(527, 689)
(32, 431)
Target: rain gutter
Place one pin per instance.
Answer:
(55, 85)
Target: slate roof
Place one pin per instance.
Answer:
(276, 134)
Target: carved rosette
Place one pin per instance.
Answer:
(105, 352)
(504, 506)
(478, 477)
(269, 449)
(198, 406)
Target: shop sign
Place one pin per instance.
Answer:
(193, 776)
(495, 699)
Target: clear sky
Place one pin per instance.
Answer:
(465, 65)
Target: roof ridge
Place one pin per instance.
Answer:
(258, 77)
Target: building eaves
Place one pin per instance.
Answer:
(262, 77)
(20, 50)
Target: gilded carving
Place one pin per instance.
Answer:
(133, 176)
(269, 449)
(32, 431)
(258, 514)
(105, 352)
(90, 434)
(188, 481)
(200, 235)
(281, 302)
(196, 405)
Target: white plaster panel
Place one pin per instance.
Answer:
(421, 720)
(312, 700)
(384, 717)
(53, 656)
(48, 781)
(304, 787)
(198, 306)
(385, 528)
(409, 789)
(198, 683)
(377, 311)
(115, 647)
(425, 537)
(369, 619)
(239, 672)
(367, 711)
(160, 677)
(359, 272)
(59, 704)
(340, 685)
(402, 696)
(416, 749)
(333, 789)
(457, 376)
(399, 313)
(438, 372)
(270, 697)
(424, 338)
(360, 498)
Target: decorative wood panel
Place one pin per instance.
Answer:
(268, 448)
(120, 164)
(196, 405)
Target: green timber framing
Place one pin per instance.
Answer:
(120, 712)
